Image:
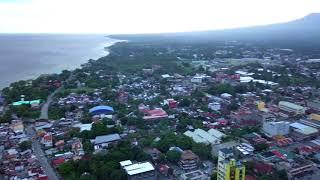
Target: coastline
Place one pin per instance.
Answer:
(103, 47)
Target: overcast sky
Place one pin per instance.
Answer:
(145, 16)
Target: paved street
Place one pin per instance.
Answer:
(45, 106)
(41, 156)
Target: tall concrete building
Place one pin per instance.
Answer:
(228, 168)
(273, 128)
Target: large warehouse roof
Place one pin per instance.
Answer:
(307, 130)
(290, 105)
(138, 168)
(201, 136)
(216, 133)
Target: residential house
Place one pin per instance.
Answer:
(104, 141)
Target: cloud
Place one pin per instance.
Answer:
(140, 16)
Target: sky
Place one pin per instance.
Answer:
(145, 16)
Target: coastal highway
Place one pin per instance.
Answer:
(49, 171)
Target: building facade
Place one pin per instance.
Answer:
(228, 168)
(272, 128)
(188, 161)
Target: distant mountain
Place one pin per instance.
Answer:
(300, 32)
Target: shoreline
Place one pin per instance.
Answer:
(104, 47)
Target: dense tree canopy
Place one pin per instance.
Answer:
(103, 167)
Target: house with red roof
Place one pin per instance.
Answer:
(171, 103)
(58, 161)
(47, 140)
(154, 114)
(43, 177)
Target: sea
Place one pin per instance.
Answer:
(26, 56)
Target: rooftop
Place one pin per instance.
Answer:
(107, 138)
(138, 168)
(301, 128)
(201, 136)
(216, 133)
(105, 109)
(291, 105)
(125, 163)
(226, 150)
(188, 155)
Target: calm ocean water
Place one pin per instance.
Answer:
(28, 56)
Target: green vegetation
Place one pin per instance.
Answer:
(173, 156)
(56, 112)
(25, 145)
(185, 120)
(261, 147)
(6, 117)
(214, 176)
(218, 89)
(185, 143)
(38, 88)
(102, 167)
(238, 132)
(25, 111)
(66, 91)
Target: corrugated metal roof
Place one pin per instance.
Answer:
(303, 128)
(83, 127)
(216, 133)
(138, 168)
(201, 136)
(290, 105)
(107, 138)
(125, 163)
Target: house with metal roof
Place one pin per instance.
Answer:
(141, 170)
(201, 136)
(301, 132)
(216, 133)
(104, 141)
(291, 107)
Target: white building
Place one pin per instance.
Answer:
(141, 170)
(272, 128)
(165, 76)
(198, 78)
(214, 106)
(217, 134)
(291, 107)
(226, 95)
(200, 136)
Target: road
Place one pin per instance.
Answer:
(45, 106)
(50, 172)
